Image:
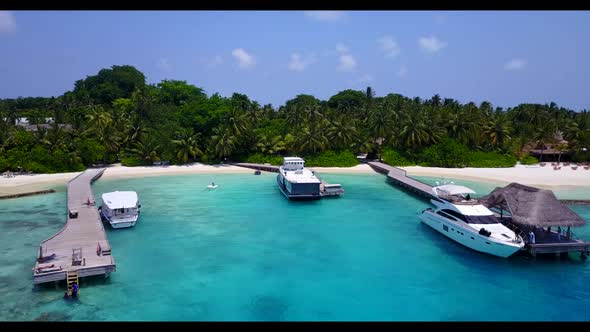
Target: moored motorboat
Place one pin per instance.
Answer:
(468, 222)
(120, 208)
(297, 182)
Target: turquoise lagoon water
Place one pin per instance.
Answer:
(244, 252)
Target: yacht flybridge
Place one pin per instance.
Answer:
(467, 221)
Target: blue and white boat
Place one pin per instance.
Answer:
(296, 181)
(120, 208)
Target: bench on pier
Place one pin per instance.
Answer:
(103, 248)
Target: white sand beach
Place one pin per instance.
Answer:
(29, 183)
(358, 169)
(537, 176)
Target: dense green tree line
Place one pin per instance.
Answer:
(115, 116)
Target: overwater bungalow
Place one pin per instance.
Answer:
(527, 209)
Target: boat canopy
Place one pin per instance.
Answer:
(120, 199)
(452, 189)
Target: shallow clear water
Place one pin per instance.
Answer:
(244, 252)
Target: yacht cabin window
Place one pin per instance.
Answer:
(472, 219)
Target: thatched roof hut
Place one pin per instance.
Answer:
(531, 206)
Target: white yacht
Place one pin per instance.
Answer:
(296, 181)
(120, 208)
(467, 221)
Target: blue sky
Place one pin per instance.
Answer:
(504, 57)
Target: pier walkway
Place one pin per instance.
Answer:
(400, 178)
(82, 245)
(260, 167)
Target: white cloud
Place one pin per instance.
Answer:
(389, 46)
(341, 48)
(163, 64)
(326, 15)
(216, 61)
(244, 59)
(515, 64)
(298, 63)
(347, 63)
(366, 78)
(403, 71)
(7, 22)
(431, 44)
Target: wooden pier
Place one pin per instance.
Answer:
(260, 167)
(82, 245)
(551, 243)
(399, 177)
(559, 248)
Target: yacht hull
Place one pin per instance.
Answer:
(295, 197)
(120, 223)
(468, 237)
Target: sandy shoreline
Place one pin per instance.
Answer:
(536, 176)
(543, 177)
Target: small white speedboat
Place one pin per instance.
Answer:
(212, 186)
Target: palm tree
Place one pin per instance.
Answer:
(311, 140)
(313, 113)
(146, 149)
(55, 139)
(135, 130)
(544, 134)
(434, 132)
(497, 130)
(290, 142)
(11, 116)
(270, 146)
(223, 142)
(369, 100)
(342, 133)
(143, 101)
(414, 132)
(237, 121)
(100, 126)
(293, 116)
(380, 120)
(561, 147)
(187, 145)
(459, 127)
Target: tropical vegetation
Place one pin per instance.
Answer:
(116, 116)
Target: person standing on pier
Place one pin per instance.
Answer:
(532, 237)
(558, 233)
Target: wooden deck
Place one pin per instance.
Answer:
(399, 177)
(76, 246)
(260, 167)
(559, 248)
(551, 243)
